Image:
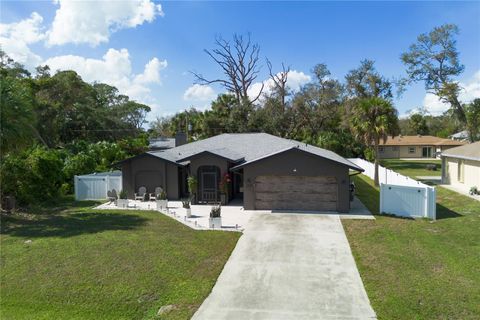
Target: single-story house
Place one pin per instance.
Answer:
(462, 136)
(265, 172)
(415, 147)
(461, 166)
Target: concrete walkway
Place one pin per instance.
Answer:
(465, 191)
(289, 266)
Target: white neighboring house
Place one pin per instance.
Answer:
(461, 166)
(460, 136)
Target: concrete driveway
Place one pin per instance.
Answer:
(289, 266)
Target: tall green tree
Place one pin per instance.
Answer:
(434, 60)
(366, 82)
(18, 122)
(418, 124)
(373, 119)
(472, 114)
(317, 105)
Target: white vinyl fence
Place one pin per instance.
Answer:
(401, 195)
(95, 186)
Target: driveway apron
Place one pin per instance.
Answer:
(289, 266)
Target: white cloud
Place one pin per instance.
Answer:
(151, 74)
(92, 22)
(296, 79)
(433, 105)
(199, 92)
(470, 91)
(15, 38)
(114, 69)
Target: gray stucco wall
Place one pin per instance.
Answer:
(305, 165)
(150, 172)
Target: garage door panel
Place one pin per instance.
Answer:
(289, 205)
(296, 196)
(307, 187)
(296, 193)
(296, 179)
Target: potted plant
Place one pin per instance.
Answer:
(162, 201)
(215, 220)
(122, 201)
(186, 206)
(224, 185)
(473, 191)
(192, 188)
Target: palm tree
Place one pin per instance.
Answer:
(374, 119)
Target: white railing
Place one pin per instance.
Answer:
(401, 195)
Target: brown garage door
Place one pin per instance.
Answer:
(296, 193)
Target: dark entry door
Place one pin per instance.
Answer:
(209, 178)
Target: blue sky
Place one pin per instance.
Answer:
(171, 38)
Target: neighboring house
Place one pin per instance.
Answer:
(415, 147)
(163, 143)
(266, 172)
(461, 166)
(461, 136)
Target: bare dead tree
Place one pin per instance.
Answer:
(280, 81)
(239, 62)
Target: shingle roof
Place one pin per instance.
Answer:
(420, 141)
(469, 152)
(245, 146)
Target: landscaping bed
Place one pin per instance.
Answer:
(73, 262)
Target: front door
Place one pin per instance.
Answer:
(209, 177)
(427, 152)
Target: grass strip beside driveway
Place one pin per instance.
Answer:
(419, 269)
(90, 264)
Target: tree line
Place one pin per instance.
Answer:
(55, 125)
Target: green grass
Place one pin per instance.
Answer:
(91, 264)
(413, 168)
(419, 269)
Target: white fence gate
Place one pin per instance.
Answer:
(401, 195)
(95, 186)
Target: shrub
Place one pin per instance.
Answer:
(369, 154)
(162, 196)
(192, 184)
(34, 175)
(216, 211)
(225, 183)
(186, 203)
(123, 195)
(473, 190)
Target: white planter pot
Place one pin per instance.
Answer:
(162, 204)
(188, 212)
(122, 203)
(215, 223)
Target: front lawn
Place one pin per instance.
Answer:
(419, 269)
(91, 264)
(413, 168)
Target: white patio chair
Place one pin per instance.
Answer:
(153, 196)
(141, 194)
